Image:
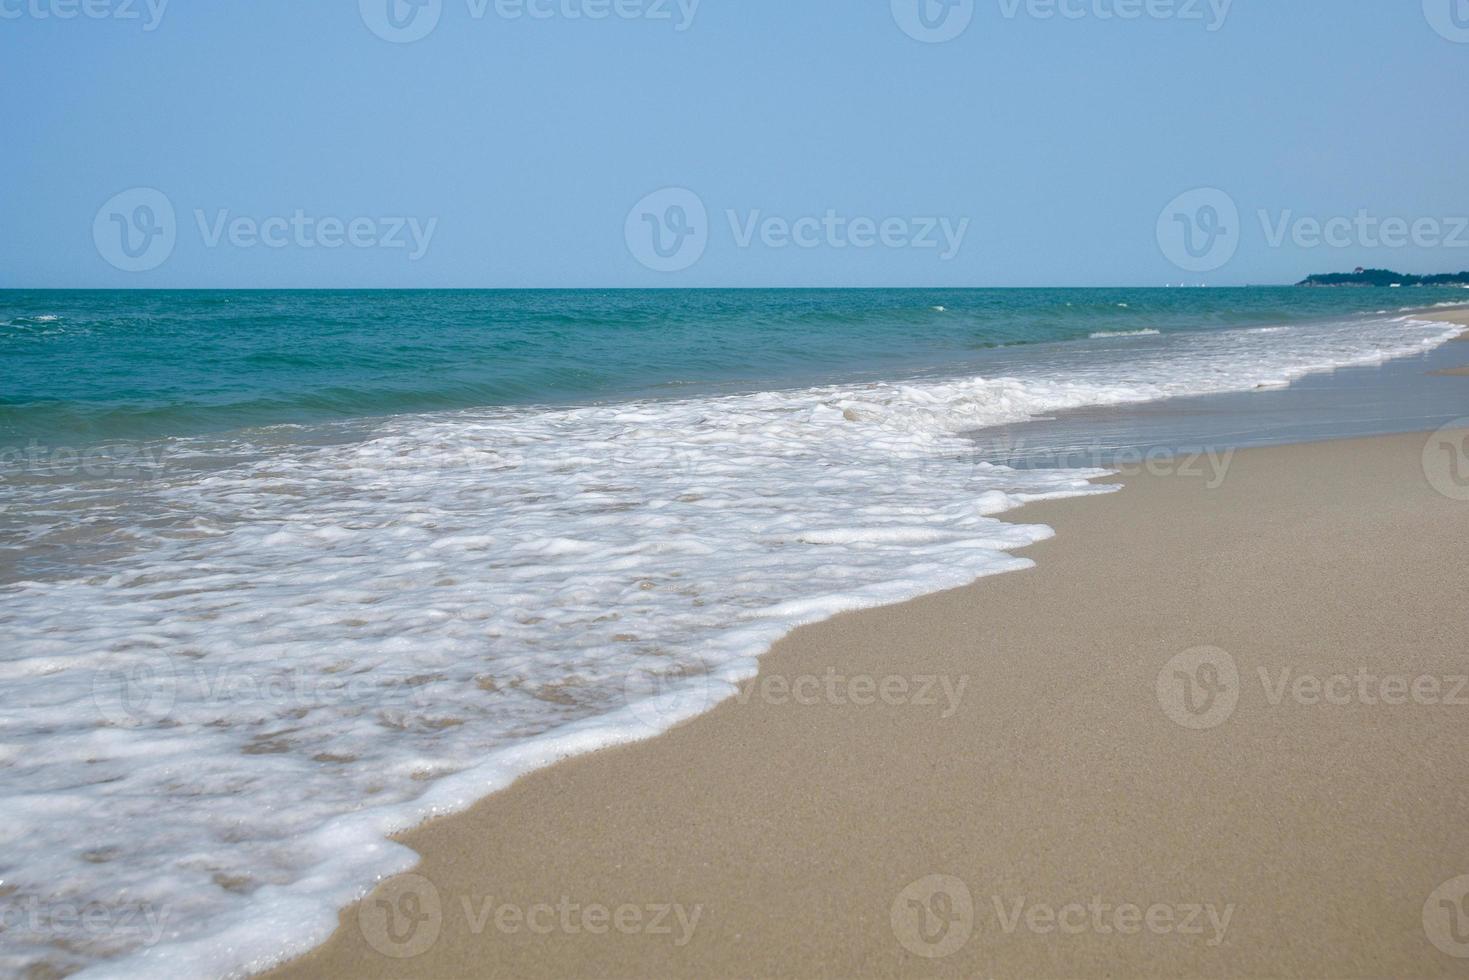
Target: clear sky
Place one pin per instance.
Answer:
(1045, 138)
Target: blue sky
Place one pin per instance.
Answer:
(502, 150)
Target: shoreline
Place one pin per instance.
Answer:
(1352, 401)
(439, 614)
(760, 843)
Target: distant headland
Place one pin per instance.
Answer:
(1384, 277)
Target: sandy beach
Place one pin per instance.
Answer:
(663, 490)
(1217, 731)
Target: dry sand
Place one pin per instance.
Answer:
(1453, 316)
(1316, 830)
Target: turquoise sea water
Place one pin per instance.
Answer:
(93, 365)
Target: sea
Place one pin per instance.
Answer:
(284, 573)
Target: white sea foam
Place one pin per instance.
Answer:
(33, 324)
(287, 652)
(1104, 334)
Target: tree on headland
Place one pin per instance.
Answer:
(1384, 277)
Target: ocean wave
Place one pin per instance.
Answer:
(341, 639)
(1435, 306)
(1105, 334)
